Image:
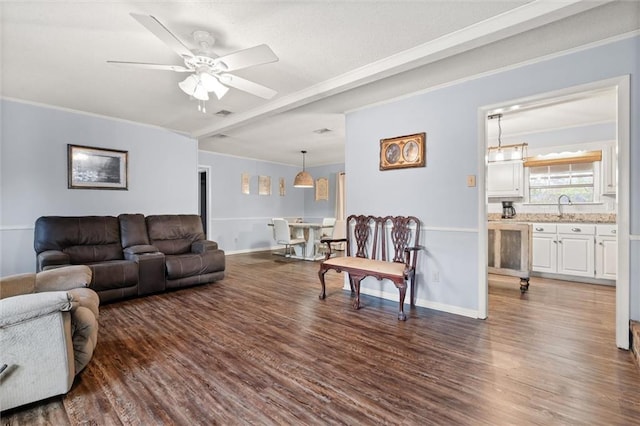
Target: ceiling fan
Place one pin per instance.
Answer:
(208, 71)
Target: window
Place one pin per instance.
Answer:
(547, 183)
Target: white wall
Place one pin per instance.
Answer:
(438, 194)
(33, 155)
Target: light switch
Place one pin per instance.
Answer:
(471, 180)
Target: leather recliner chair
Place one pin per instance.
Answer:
(189, 257)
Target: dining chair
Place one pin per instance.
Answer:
(282, 235)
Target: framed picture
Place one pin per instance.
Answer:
(264, 185)
(403, 151)
(282, 187)
(322, 189)
(245, 182)
(96, 168)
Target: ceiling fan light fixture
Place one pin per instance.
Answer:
(303, 179)
(192, 86)
(211, 84)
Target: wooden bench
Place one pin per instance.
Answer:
(380, 247)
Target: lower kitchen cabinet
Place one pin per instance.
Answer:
(575, 249)
(606, 252)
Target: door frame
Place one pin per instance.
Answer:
(207, 171)
(623, 296)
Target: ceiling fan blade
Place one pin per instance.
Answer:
(247, 86)
(257, 55)
(160, 31)
(160, 67)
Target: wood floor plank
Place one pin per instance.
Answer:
(260, 348)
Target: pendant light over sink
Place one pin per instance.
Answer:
(303, 179)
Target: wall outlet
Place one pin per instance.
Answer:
(436, 276)
(471, 181)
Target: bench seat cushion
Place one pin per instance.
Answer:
(375, 266)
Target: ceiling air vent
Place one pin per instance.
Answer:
(223, 113)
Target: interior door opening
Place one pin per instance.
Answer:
(203, 199)
(620, 112)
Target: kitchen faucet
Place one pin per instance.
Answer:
(560, 205)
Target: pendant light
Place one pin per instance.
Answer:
(303, 179)
(505, 152)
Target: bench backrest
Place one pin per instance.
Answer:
(382, 238)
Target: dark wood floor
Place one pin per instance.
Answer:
(260, 348)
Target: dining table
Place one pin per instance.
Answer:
(311, 232)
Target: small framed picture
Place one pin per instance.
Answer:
(403, 151)
(96, 168)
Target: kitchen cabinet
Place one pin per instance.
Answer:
(575, 249)
(545, 248)
(609, 169)
(509, 251)
(606, 252)
(505, 179)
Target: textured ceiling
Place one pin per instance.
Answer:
(333, 57)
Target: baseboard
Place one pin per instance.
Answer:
(436, 306)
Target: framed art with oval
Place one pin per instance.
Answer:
(403, 151)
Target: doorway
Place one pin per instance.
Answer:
(621, 88)
(204, 197)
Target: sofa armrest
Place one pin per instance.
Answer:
(131, 252)
(62, 279)
(52, 258)
(202, 246)
(24, 307)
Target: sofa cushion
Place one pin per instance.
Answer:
(133, 230)
(114, 274)
(84, 238)
(174, 234)
(186, 265)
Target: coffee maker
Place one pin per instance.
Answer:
(508, 211)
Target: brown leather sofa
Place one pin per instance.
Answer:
(130, 255)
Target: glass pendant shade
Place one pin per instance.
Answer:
(193, 86)
(211, 84)
(303, 179)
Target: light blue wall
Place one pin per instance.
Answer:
(438, 194)
(33, 157)
(315, 211)
(238, 222)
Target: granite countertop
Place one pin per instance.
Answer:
(566, 218)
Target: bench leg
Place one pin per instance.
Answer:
(403, 293)
(356, 283)
(323, 293)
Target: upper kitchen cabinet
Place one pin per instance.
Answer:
(505, 179)
(609, 171)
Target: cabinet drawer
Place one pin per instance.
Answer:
(610, 230)
(576, 228)
(544, 228)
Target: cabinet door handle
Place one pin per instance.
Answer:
(576, 230)
(555, 241)
(613, 231)
(539, 229)
(601, 243)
